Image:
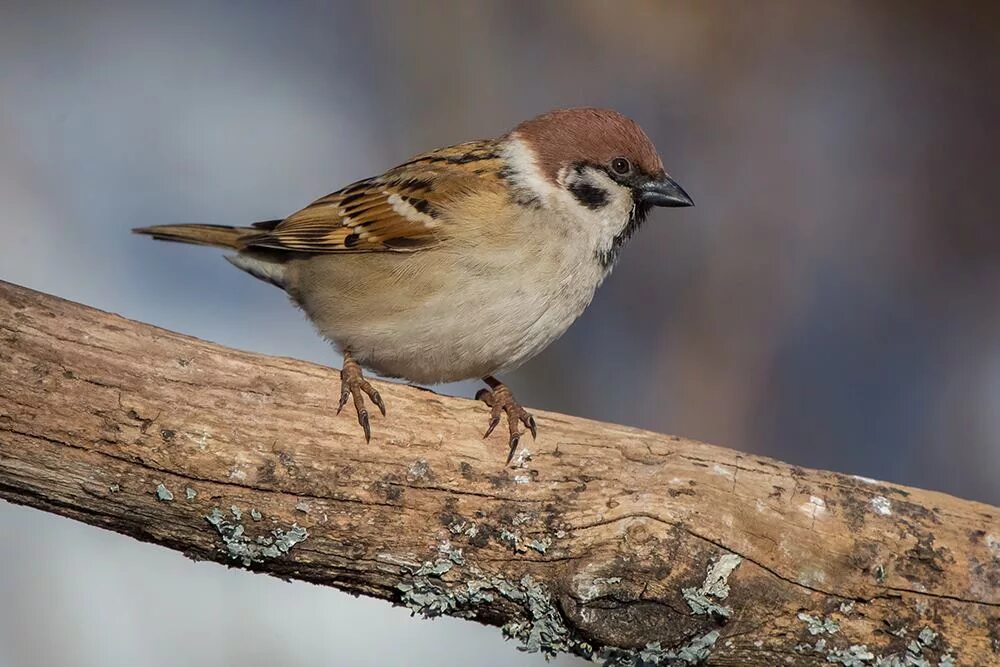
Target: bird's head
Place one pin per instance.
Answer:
(595, 164)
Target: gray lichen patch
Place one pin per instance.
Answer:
(467, 528)
(190, 493)
(856, 655)
(695, 652)
(859, 655)
(163, 494)
(914, 656)
(428, 599)
(546, 631)
(436, 568)
(418, 471)
(540, 545)
(454, 555)
(451, 585)
(542, 628)
(512, 539)
(247, 550)
(715, 585)
(521, 518)
(432, 598)
(915, 651)
(522, 458)
(521, 534)
(819, 626)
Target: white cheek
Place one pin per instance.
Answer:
(602, 225)
(613, 217)
(595, 229)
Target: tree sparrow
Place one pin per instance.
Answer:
(463, 262)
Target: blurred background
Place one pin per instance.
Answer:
(833, 300)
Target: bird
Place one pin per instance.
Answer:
(463, 262)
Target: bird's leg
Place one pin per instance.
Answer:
(501, 400)
(352, 383)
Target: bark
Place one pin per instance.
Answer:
(609, 542)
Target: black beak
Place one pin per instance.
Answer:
(664, 192)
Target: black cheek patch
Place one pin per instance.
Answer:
(589, 195)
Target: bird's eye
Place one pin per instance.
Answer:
(621, 166)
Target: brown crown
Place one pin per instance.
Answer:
(569, 136)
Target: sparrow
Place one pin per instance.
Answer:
(463, 262)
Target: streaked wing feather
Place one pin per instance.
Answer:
(400, 211)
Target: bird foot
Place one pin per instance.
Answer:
(501, 400)
(352, 384)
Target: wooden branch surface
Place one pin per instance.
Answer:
(610, 542)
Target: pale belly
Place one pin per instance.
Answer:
(436, 316)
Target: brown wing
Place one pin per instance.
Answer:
(402, 210)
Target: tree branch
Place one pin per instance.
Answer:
(607, 541)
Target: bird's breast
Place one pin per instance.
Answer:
(464, 309)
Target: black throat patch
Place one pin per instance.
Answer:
(608, 257)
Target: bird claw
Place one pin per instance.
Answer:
(501, 401)
(529, 421)
(494, 420)
(377, 400)
(363, 420)
(514, 440)
(353, 384)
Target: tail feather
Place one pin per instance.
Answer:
(267, 265)
(211, 235)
